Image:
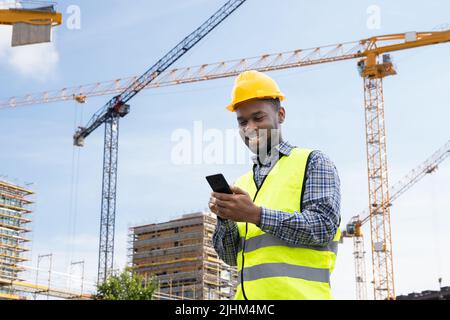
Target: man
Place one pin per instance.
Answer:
(280, 226)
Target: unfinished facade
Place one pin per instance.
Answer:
(13, 221)
(181, 256)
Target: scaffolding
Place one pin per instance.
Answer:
(43, 282)
(14, 214)
(17, 280)
(22, 290)
(180, 257)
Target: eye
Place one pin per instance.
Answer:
(243, 123)
(259, 118)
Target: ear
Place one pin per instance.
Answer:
(281, 115)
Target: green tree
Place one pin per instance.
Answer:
(125, 286)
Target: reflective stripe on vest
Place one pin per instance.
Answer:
(273, 268)
(268, 240)
(285, 270)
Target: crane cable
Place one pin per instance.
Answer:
(435, 228)
(74, 183)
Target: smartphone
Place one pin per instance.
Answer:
(219, 184)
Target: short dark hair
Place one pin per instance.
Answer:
(275, 102)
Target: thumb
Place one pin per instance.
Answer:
(237, 190)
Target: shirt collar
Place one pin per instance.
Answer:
(284, 148)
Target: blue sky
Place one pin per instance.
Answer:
(324, 111)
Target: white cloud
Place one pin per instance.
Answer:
(37, 61)
(5, 4)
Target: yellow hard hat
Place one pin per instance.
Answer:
(253, 85)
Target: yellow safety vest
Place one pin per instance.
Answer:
(274, 269)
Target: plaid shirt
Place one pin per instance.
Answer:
(316, 225)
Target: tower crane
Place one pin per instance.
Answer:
(374, 64)
(353, 228)
(31, 23)
(118, 108)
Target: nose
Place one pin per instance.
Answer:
(251, 126)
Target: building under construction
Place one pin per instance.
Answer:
(13, 221)
(180, 254)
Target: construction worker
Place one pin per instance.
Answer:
(280, 227)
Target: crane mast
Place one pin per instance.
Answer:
(353, 228)
(374, 69)
(380, 224)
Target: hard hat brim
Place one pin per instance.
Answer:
(232, 106)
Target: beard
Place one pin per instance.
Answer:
(262, 142)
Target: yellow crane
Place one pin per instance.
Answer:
(354, 226)
(374, 65)
(31, 24)
(222, 69)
